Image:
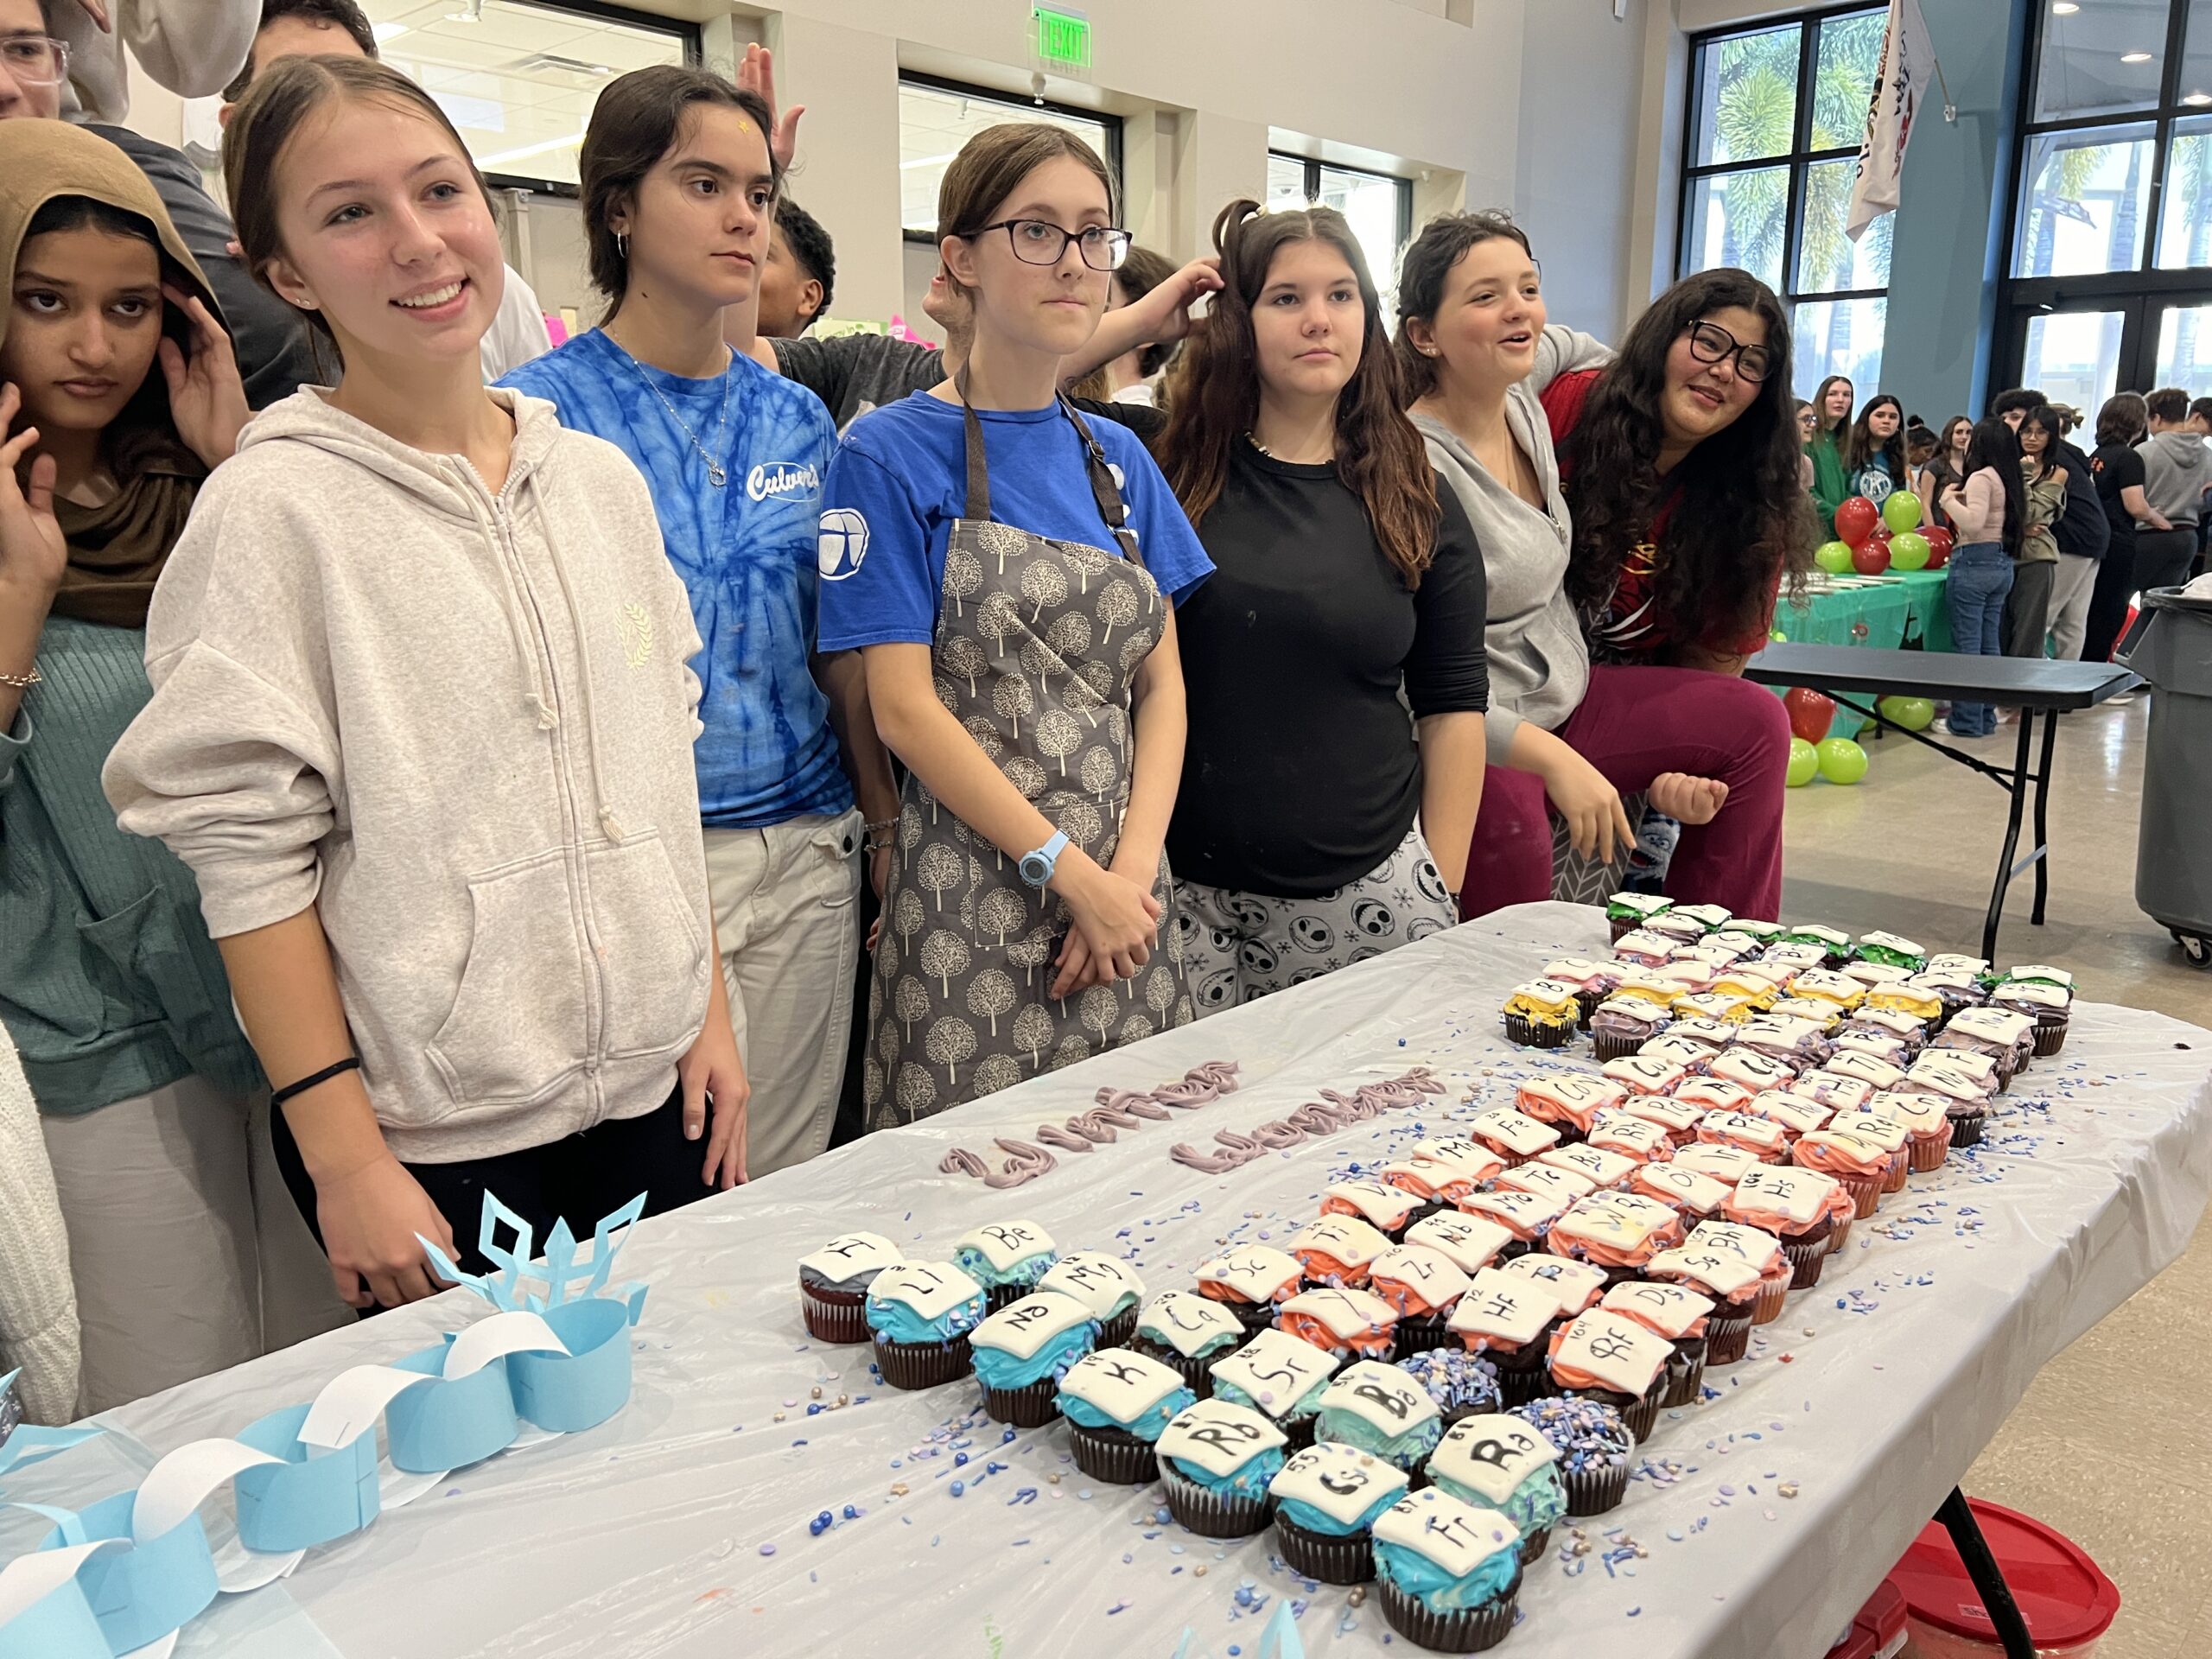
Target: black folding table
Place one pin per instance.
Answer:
(2039, 689)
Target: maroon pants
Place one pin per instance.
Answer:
(1634, 724)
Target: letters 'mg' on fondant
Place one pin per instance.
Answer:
(135, 1567)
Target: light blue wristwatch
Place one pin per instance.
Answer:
(1037, 867)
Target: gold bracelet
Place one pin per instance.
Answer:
(23, 682)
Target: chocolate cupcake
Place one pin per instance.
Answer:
(1800, 1207)
(1388, 1210)
(1679, 1317)
(1349, 1323)
(1187, 1332)
(1423, 1286)
(1508, 1320)
(1955, 992)
(1758, 1250)
(1280, 1377)
(1514, 1136)
(1461, 1383)
(1526, 1218)
(1006, 1257)
(1216, 1462)
(1594, 1447)
(1106, 1285)
(920, 1315)
(1606, 1357)
(1891, 1137)
(1252, 1281)
(1021, 1352)
(1118, 1403)
(1450, 1573)
(1567, 1102)
(1835, 943)
(2006, 1035)
(1327, 1498)
(1728, 1281)
(1469, 1241)
(1623, 1024)
(1626, 912)
(1378, 1409)
(1965, 1083)
(1862, 1166)
(2052, 1007)
(1591, 981)
(1541, 1014)
(833, 1285)
(1890, 951)
(1498, 1462)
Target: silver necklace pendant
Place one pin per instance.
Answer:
(716, 475)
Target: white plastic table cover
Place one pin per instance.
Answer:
(681, 1528)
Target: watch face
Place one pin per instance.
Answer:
(1036, 869)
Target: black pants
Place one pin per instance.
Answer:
(2027, 608)
(579, 1178)
(2162, 559)
(2108, 598)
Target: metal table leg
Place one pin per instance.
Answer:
(2016, 786)
(1981, 1567)
(2043, 832)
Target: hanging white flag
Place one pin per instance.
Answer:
(1908, 66)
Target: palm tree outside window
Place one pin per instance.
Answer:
(1775, 118)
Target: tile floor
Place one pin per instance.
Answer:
(2100, 1448)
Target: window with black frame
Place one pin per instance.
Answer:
(2109, 255)
(1776, 114)
(935, 118)
(1378, 207)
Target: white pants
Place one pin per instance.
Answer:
(187, 1254)
(2070, 603)
(790, 935)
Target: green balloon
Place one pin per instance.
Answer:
(1841, 760)
(1804, 762)
(1833, 557)
(1901, 511)
(1914, 714)
(1909, 550)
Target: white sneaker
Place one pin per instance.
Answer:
(1944, 728)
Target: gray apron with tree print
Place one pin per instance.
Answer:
(1037, 644)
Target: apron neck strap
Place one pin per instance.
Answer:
(1104, 490)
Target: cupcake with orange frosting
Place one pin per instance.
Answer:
(1252, 1281)
(1762, 1137)
(1508, 1320)
(1514, 1137)
(1423, 1286)
(1755, 1247)
(1573, 1285)
(1795, 1113)
(1602, 1169)
(1526, 1216)
(1802, 1207)
(1547, 1179)
(1927, 1123)
(1862, 1166)
(1677, 1113)
(1727, 1282)
(1449, 1166)
(1469, 1242)
(1724, 1163)
(1608, 1358)
(1337, 1249)
(1348, 1324)
(1678, 1316)
(1890, 1137)
(1627, 1136)
(1619, 1232)
(1389, 1209)
(1694, 1196)
(1568, 1101)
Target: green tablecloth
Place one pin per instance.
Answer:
(1902, 608)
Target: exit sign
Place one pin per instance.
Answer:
(1062, 40)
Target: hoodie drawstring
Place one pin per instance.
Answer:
(534, 697)
(608, 822)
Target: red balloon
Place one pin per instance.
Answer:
(1882, 534)
(1940, 544)
(1809, 712)
(1855, 521)
(1870, 557)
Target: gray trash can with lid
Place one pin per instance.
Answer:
(2173, 855)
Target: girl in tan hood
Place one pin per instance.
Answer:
(422, 725)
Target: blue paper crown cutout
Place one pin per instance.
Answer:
(518, 1286)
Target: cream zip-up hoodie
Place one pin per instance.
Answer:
(460, 724)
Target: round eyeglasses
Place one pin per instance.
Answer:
(35, 59)
(1040, 242)
(1711, 343)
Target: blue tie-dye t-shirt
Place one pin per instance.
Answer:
(746, 550)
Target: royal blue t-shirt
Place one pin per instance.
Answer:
(900, 478)
(746, 551)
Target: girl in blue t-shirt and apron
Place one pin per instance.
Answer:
(1008, 573)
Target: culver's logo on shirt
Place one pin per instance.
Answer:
(787, 479)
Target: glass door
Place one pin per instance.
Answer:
(2183, 355)
(2073, 356)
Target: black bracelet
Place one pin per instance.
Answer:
(352, 1063)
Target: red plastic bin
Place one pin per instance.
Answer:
(2064, 1597)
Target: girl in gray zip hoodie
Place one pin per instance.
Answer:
(422, 726)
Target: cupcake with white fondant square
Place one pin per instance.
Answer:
(1606, 1357)
(1187, 1332)
(1118, 1403)
(920, 1315)
(1526, 1218)
(1216, 1462)
(1379, 1410)
(1683, 1318)
(1800, 1207)
(2048, 1002)
(1326, 1499)
(1450, 1572)
(1006, 1257)
(833, 1284)
(1421, 1284)
(1106, 1285)
(1023, 1350)
(1351, 1323)
(1508, 1320)
(1498, 1462)
(1252, 1281)
(1731, 1283)
(1279, 1377)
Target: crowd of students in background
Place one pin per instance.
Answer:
(2053, 568)
(628, 766)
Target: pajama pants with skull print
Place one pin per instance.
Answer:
(1238, 947)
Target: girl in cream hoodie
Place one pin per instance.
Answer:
(422, 726)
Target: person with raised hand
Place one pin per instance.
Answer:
(1315, 826)
(1009, 571)
(422, 726)
(118, 395)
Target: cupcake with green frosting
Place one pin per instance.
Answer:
(1498, 1462)
(1280, 1377)
(1378, 1409)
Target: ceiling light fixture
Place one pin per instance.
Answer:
(2197, 100)
(2135, 57)
(2064, 8)
(387, 33)
(569, 142)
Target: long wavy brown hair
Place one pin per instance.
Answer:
(1215, 390)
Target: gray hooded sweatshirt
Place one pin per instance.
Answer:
(459, 725)
(2176, 468)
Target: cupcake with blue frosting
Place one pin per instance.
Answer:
(1499, 1462)
(1216, 1462)
(1378, 1409)
(920, 1314)
(1187, 1332)
(1280, 1377)
(1104, 1284)
(1118, 1403)
(1006, 1258)
(1594, 1446)
(1022, 1351)
(1450, 1572)
(1327, 1498)
(1462, 1384)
